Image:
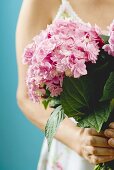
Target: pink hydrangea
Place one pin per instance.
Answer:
(63, 49)
(110, 47)
(28, 53)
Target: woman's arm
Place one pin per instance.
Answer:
(34, 16)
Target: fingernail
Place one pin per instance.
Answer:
(111, 157)
(111, 125)
(111, 142)
(109, 133)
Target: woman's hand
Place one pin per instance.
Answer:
(94, 146)
(110, 134)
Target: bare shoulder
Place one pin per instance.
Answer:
(46, 8)
(55, 4)
(36, 14)
(49, 7)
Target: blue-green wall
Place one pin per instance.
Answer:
(20, 141)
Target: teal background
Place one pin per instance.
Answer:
(20, 141)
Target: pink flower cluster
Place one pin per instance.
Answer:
(61, 50)
(110, 47)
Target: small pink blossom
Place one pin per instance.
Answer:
(28, 53)
(110, 47)
(79, 68)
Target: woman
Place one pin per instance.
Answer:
(73, 147)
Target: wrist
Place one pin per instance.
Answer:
(68, 133)
(76, 140)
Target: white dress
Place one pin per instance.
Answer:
(60, 156)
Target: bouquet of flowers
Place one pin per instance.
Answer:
(71, 67)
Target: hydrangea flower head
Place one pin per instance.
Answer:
(63, 49)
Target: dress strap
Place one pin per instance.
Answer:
(63, 1)
(66, 11)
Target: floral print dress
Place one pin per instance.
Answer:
(60, 156)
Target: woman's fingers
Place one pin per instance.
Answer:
(99, 151)
(109, 133)
(100, 159)
(95, 147)
(111, 125)
(97, 141)
(93, 132)
(111, 142)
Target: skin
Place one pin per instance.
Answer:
(34, 16)
(110, 134)
(100, 12)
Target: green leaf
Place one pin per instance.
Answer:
(55, 102)
(77, 94)
(45, 102)
(108, 92)
(102, 166)
(112, 104)
(52, 102)
(53, 123)
(105, 38)
(98, 167)
(97, 117)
